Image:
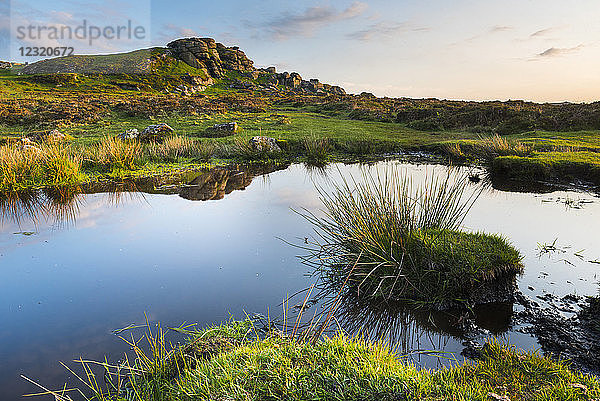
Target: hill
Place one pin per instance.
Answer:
(204, 59)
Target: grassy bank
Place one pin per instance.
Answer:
(564, 166)
(230, 362)
(316, 129)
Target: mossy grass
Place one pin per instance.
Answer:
(232, 362)
(569, 165)
(395, 240)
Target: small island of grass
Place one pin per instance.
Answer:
(387, 238)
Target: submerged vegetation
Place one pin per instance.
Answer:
(233, 362)
(392, 239)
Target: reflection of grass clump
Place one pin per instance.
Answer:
(400, 241)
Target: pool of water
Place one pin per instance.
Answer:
(73, 275)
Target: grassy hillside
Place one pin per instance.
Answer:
(144, 61)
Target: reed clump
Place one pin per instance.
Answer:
(493, 146)
(177, 147)
(28, 166)
(317, 150)
(397, 240)
(115, 153)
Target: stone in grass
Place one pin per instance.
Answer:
(129, 134)
(265, 144)
(29, 145)
(52, 136)
(221, 130)
(496, 397)
(156, 133)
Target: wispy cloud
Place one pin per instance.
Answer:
(385, 30)
(500, 28)
(496, 29)
(307, 23)
(171, 32)
(559, 51)
(542, 33)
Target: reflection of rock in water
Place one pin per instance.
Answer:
(220, 181)
(196, 185)
(61, 205)
(215, 184)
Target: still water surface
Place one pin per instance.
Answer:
(67, 284)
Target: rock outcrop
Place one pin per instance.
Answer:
(52, 136)
(216, 59)
(213, 57)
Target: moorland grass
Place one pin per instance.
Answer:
(176, 148)
(564, 165)
(27, 167)
(395, 240)
(112, 152)
(231, 362)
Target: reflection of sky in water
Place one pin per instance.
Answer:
(66, 287)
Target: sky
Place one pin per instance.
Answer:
(539, 50)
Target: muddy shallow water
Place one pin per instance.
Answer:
(68, 282)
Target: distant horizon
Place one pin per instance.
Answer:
(540, 51)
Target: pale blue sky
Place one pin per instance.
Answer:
(543, 50)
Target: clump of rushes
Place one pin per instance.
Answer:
(230, 362)
(394, 240)
(28, 167)
(242, 149)
(174, 148)
(493, 146)
(316, 150)
(115, 153)
(454, 151)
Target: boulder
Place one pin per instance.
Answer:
(265, 144)
(156, 133)
(220, 130)
(127, 86)
(26, 143)
(129, 134)
(52, 136)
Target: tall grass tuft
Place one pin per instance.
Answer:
(496, 145)
(242, 149)
(174, 148)
(112, 152)
(317, 150)
(405, 238)
(27, 167)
